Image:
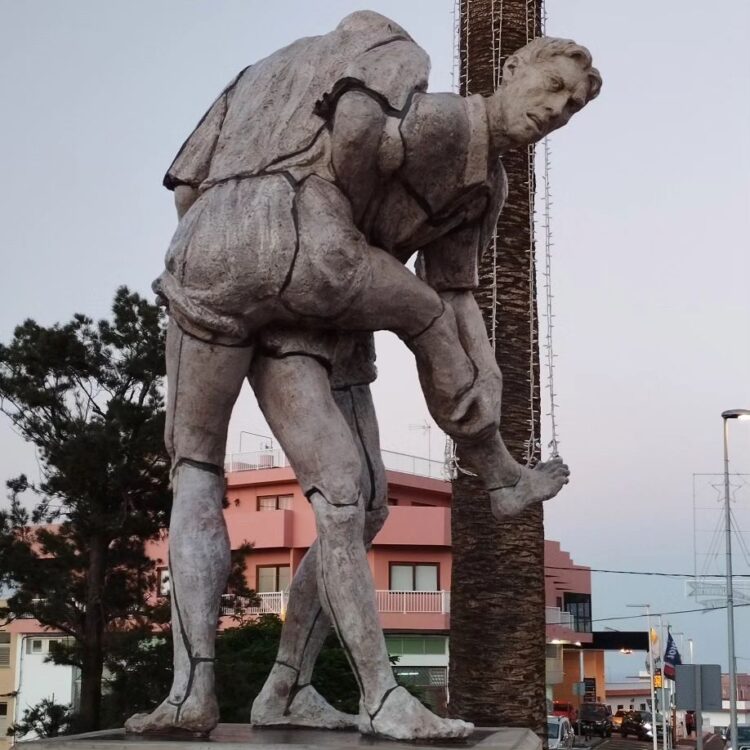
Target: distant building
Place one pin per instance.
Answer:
(410, 561)
(26, 678)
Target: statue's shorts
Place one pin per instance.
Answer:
(258, 267)
(261, 251)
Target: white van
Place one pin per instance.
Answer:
(559, 733)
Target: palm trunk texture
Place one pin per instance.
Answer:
(497, 654)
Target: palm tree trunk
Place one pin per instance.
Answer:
(497, 654)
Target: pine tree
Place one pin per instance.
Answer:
(89, 397)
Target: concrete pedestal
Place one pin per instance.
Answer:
(236, 736)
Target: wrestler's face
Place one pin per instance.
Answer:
(541, 96)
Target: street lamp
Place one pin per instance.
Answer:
(647, 607)
(726, 416)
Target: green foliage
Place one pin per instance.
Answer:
(139, 675)
(46, 719)
(245, 655)
(140, 672)
(89, 398)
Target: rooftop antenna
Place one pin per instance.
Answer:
(426, 429)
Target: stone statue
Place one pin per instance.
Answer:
(312, 179)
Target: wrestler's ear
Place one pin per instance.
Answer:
(510, 67)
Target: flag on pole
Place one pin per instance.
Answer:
(671, 657)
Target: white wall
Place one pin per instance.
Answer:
(38, 679)
(718, 719)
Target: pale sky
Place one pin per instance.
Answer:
(650, 266)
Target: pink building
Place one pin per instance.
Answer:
(410, 561)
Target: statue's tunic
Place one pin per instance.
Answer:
(294, 195)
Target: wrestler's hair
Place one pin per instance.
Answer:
(545, 48)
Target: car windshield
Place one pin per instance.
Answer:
(593, 712)
(553, 730)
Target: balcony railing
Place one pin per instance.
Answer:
(275, 602)
(429, 602)
(556, 616)
(269, 603)
(276, 459)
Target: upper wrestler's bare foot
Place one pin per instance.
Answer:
(195, 717)
(402, 717)
(542, 482)
(307, 709)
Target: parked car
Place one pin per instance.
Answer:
(617, 719)
(743, 734)
(594, 718)
(568, 710)
(640, 724)
(559, 733)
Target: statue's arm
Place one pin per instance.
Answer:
(450, 266)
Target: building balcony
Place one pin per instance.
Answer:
(561, 627)
(556, 616)
(399, 610)
(393, 461)
(388, 602)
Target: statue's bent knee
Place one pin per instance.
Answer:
(338, 522)
(374, 521)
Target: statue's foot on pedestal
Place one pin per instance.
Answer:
(308, 709)
(542, 482)
(403, 717)
(194, 718)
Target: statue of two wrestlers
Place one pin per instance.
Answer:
(301, 195)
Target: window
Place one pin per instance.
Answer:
(273, 578)
(392, 501)
(579, 605)
(4, 650)
(164, 587)
(275, 502)
(414, 577)
(3, 718)
(414, 645)
(34, 646)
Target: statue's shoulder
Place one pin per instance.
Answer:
(384, 56)
(370, 22)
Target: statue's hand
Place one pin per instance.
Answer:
(477, 412)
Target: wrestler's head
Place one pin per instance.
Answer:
(544, 84)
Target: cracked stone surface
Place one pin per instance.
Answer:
(311, 181)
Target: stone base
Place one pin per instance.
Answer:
(234, 736)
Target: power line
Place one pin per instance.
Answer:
(674, 612)
(646, 573)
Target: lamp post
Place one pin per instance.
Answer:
(647, 607)
(726, 416)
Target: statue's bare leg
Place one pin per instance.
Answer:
(463, 392)
(319, 444)
(288, 698)
(203, 382)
